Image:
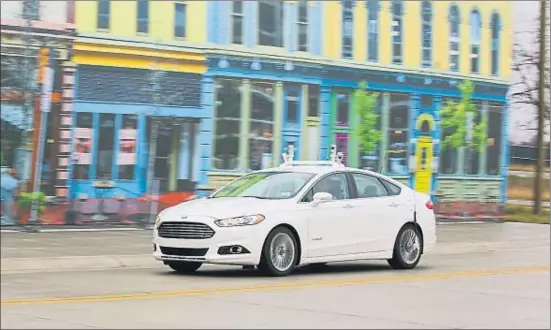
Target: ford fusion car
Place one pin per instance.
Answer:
(303, 212)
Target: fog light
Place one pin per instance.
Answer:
(233, 249)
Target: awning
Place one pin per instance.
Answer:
(14, 114)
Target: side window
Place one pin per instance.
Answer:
(392, 189)
(369, 186)
(334, 184)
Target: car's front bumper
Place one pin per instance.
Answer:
(247, 237)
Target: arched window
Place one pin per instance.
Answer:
(372, 30)
(347, 27)
(426, 17)
(455, 19)
(476, 27)
(496, 27)
(397, 9)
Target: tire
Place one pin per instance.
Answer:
(407, 253)
(284, 244)
(184, 267)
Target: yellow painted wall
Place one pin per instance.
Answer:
(412, 34)
(161, 14)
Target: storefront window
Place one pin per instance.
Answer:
(398, 134)
(228, 125)
(313, 100)
(106, 141)
(292, 106)
(370, 160)
(494, 138)
(262, 125)
(82, 153)
(472, 157)
(448, 155)
(128, 135)
(343, 109)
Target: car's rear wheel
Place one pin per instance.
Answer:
(280, 253)
(407, 248)
(184, 267)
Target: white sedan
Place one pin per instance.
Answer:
(298, 214)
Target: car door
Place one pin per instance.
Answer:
(331, 225)
(377, 211)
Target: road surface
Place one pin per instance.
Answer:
(480, 276)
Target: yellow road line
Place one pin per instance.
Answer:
(272, 287)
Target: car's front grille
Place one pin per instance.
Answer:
(183, 251)
(189, 230)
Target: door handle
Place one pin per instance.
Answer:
(348, 206)
(394, 204)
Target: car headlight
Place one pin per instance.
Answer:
(240, 221)
(157, 222)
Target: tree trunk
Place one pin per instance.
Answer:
(538, 184)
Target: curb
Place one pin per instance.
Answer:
(57, 264)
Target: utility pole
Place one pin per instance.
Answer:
(538, 185)
(30, 10)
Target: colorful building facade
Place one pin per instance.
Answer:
(234, 82)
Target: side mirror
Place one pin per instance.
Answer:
(321, 197)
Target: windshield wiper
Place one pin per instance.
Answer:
(257, 197)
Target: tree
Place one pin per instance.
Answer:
(532, 91)
(365, 109)
(455, 116)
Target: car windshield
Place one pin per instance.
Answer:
(266, 185)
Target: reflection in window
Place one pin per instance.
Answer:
(82, 149)
(292, 106)
(227, 124)
(448, 155)
(262, 125)
(270, 23)
(103, 14)
(343, 109)
(426, 15)
(106, 139)
(303, 26)
(180, 20)
(347, 27)
(369, 186)
(472, 157)
(313, 100)
(397, 12)
(398, 134)
(494, 139)
(31, 9)
(455, 21)
(476, 25)
(370, 160)
(373, 30)
(237, 22)
(496, 26)
(128, 136)
(143, 16)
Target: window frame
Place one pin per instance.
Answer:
(355, 186)
(397, 15)
(372, 8)
(184, 26)
(103, 16)
(426, 28)
(475, 38)
(314, 181)
(237, 15)
(495, 40)
(279, 20)
(347, 17)
(303, 4)
(454, 18)
(142, 21)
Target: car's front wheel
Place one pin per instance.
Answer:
(280, 253)
(184, 267)
(407, 248)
